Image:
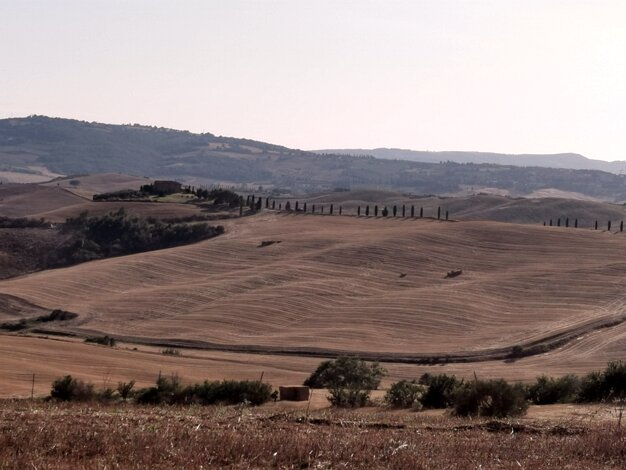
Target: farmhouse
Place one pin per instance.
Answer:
(167, 187)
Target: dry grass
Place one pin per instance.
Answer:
(43, 435)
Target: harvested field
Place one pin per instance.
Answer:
(56, 204)
(334, 284)
(39, 435)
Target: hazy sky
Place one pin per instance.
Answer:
(505, 76)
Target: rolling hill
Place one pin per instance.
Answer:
(37, 146)
(559, 160)
(370, 286)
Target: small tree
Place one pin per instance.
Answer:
(404, 394)
(440, 390)
(349, 380)
(495, 398)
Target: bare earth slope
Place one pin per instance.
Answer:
(348, 284)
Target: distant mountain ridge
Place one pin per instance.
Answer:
(43, 145)
(572, 161)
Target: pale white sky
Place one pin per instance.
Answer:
(507, 76)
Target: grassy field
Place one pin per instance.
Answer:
(47, 435)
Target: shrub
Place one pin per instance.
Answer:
(344, 371)
(440, 390)
(348, 379)
(125, 389)
(605, 385)
(169, 391)
(591, 388)
(495, 398)
(104, 340)
(548, 390)
(170, 352)
(70, 389)
(404, 394)
(348, 397)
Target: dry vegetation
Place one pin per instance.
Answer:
(46, 435)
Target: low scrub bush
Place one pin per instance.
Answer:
(405, 394)
(70, 389)
(493, 398)
(125, 389)
(170, 352)
(440, 390)
(548, 390)
(608, 384)
(169, 391)
(104, 340)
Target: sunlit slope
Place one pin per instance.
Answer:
(343, 283)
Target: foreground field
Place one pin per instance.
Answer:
(39, 435)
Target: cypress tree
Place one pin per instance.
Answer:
(421, 212)
(331, 209)
(273, 204)
(576, 223)
(550, 222)
(446, 215)
(367, 211)
(395, 210)
(358, 211)
(297, 204)
(558, 222)
(375, 211)
(609, 226)
(412, 211)
(439, 213)
(567, 222)
(403, 211)
(304, 207)
(340, 210)
(596, 227)
(313, 209)
(267, 202)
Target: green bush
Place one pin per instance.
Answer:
(494, 398)
(70, 389)
(348, 397)
(440, 390)
(104, 340)
(606, 385)
(125, 389)
(170, 391)
(348, 379)
(405, 394)
(345, 371)
(548, 390)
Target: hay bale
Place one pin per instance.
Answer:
(294, 392)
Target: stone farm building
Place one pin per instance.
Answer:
(167, 187)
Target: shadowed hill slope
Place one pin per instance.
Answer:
(348, 284)
(68, 147)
